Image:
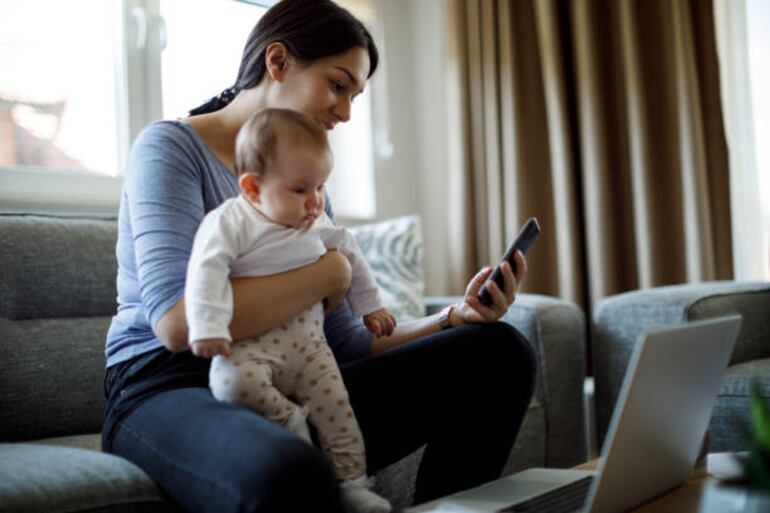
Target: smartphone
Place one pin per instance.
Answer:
(524, 240)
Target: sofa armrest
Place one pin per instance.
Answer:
(620, 321)
(556, 330)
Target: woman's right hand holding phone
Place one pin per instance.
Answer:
(473, 310)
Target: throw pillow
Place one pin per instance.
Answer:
(394, 251)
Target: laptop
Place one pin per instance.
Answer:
(654, 436)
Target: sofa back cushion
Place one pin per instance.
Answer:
(752, 301)
(57, 295)
(394, 251)
(54, 266)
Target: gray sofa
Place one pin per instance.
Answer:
(620, 321)
(57, 295)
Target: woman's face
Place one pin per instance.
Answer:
(325, 89)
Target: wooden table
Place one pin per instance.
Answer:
(687, 498)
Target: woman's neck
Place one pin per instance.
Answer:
(219, 129)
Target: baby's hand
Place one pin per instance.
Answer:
(208, 347)
(380, 322)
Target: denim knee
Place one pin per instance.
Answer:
(507, 353)
(293, 477)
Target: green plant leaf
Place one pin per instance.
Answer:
(760, 418)
(756, 465)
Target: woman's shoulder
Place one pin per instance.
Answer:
(165, 132)
(174, 144)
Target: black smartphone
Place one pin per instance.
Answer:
(524, 240)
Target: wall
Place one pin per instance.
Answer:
(413, 179)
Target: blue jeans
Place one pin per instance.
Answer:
(462, 392)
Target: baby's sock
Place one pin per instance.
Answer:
(358, 498)
(297, 423)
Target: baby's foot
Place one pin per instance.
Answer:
(297, 423)
(358, 498)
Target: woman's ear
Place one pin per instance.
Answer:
(249, 186)
(276, 60)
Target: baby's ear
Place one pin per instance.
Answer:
(249, 186)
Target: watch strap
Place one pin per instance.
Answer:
(445, 318)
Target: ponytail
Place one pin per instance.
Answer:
(220, 101)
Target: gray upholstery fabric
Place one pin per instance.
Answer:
(754, 306)
(556, 329)
(730, 423)
(57, 266)
(51, 377)
(91, 442)
(63, 479)
(620, 321)
(57, 294)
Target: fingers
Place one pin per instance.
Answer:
(501, 299)
(381, 323)
(510, 282)
(477, 281)
(389, 325)
(494, 310)
(373, 324)
(210, 348)
(521, 266)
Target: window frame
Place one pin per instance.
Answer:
(137, 44)
(138, 41)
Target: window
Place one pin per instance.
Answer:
(57, 105)
(194, 65)
(79, 83)
(743, 43)
(758, 18)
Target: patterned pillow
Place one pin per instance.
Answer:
(393, 250)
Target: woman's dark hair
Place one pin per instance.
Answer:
(310, 29)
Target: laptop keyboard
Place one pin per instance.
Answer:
(567, 498)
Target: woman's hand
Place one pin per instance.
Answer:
(340, 273)
(473, 310)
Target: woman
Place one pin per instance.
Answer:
(456, 382)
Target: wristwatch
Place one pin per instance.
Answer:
(445, 317)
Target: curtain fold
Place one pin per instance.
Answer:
(602, 119)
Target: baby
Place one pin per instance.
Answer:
(278, 223)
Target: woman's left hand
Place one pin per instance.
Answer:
(473, 310)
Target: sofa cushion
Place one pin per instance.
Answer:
(57, 266)
(732, 405)
(753, 303)
(37, 477)
(51, 377)
(394, 251)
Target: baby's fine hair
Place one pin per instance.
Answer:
(257, 140)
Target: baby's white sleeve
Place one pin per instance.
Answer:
(208, 294)
(363, 295)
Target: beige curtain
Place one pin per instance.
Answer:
(601, 118)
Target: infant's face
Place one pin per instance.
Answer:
(292, 189)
